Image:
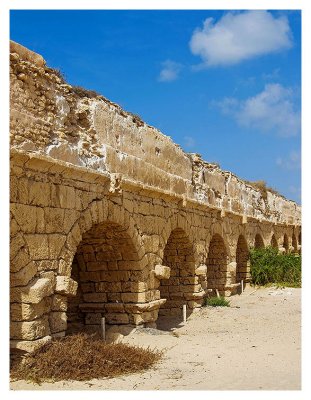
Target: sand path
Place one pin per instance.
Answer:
(254, 344)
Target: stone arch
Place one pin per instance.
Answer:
(294, 243)
(98, 212)
(286, 243)
(259, 243)
(217, 264)
(175, 222)
(242, 260)
(179, 289)
(274, 242)
(105, 266)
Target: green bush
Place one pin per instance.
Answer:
(270, 266)
(217, 302)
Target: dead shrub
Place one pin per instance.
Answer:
(82, 357)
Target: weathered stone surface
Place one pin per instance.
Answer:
(29, 345)
(28, 312)
(59, 303)
(58, 321)
(162, 272)
(32, 293)
(66, 285)
(30, 330)
(38, 246)
(23, 276)
(201, 270)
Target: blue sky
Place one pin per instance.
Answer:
(223, 84)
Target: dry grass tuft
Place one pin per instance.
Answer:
(82, 357)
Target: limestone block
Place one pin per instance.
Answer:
(134, 297)
(195, 304)
(23, 276)
(39, 194)
(54, 219)
(134, 287)
(66, 196)
(26, 54)
(29, 345)
(129, 265)
(142, 307)
(162, 272)
(95, 297)
(25, 216)
(66, 285)
(231, 267)
(32, 293)
(58, 334)
(17, 242)
(114, 308)
(58, 321)
(87, 287)
(117, 318)
(194, 296)
(46, 265)
(59, 303)
(20, 261)
(38, 246)
(93, 318)
(108, 287)
(56, 243)
(201, 270)
(27, 312)
(30, 330)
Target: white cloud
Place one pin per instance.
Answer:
(292, 162)
(240, 36)
(170, 71)
(272, 110)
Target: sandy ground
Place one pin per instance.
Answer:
(254, 344)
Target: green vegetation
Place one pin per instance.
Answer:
(217, 302)
(270, 266)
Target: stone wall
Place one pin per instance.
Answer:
(109, 218)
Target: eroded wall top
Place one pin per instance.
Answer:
(50, 117)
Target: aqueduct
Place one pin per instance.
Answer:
(109, 217)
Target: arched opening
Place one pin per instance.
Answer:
(179, 288)
(274, 242)
(217, 264)
(259, 243)
(242, 257)
(104, 267)
(285, 243)
(294, 243)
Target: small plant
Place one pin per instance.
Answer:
(270, 266)
(57, 72)
(81, 92)
(217, 302)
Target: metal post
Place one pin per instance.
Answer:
(217, 293)
(184, 312)
(103, 328)
(242, 286)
